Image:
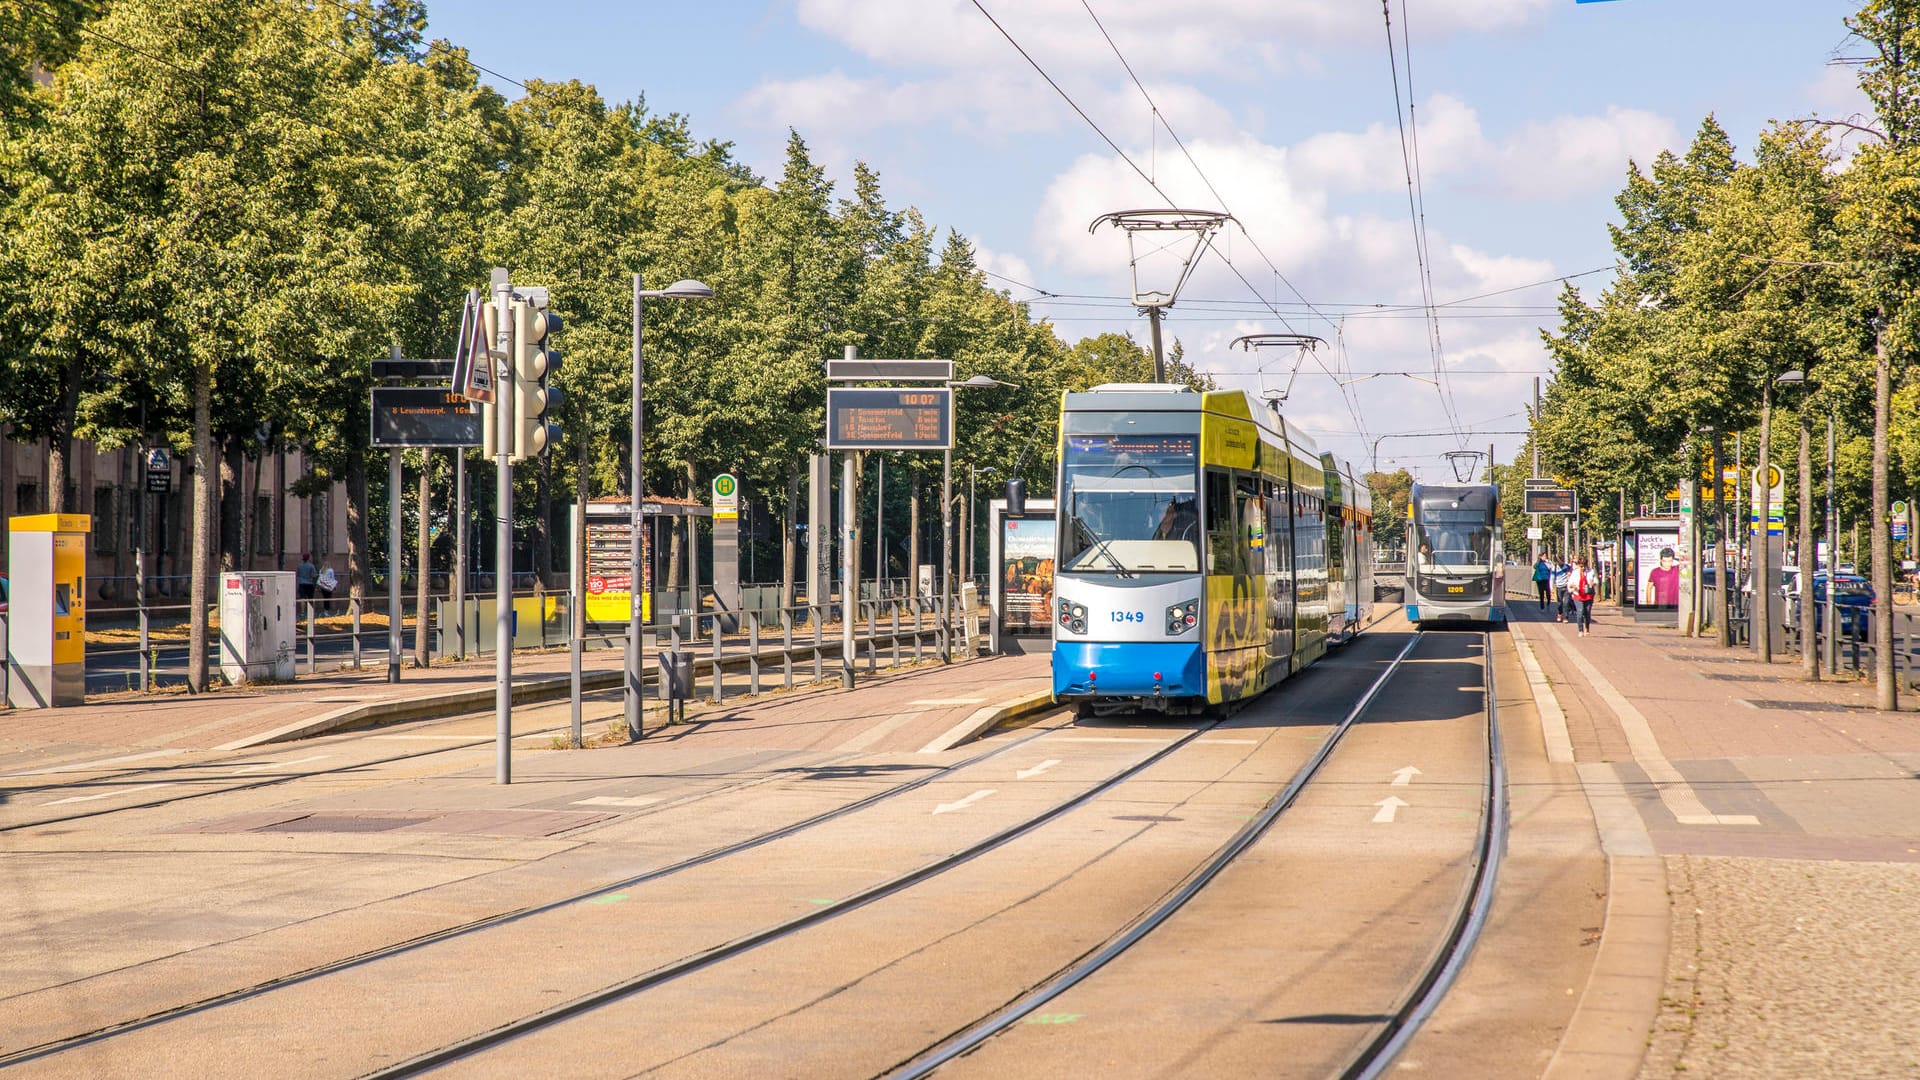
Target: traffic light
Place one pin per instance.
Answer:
(489, 420)
(533, 364)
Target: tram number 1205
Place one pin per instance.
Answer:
(1130, 616)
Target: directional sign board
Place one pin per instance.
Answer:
(413, 416)
(872, 418)
(1551, 501)
(159, 471)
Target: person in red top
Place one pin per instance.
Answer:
(1664, 581)
(1582, 586)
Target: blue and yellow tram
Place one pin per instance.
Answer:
(1456, 561)
(1206, 549)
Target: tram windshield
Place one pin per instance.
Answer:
(1452, 532)
(1128, 504)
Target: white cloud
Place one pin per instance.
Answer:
(1004, 270)
(1204, 36)
(1577, 153)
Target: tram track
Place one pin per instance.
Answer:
(1395, 1028)
(1136, 929)
(101, 1033)
(744, 945)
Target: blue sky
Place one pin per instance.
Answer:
(1527, 112)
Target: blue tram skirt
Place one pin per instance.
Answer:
(1126, 669)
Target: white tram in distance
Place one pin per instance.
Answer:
(1207, 549)
(1456, 557)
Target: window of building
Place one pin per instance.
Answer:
(322, 516)
(263, 524)
(106, 526)
(26, 498)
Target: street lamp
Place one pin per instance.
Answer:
(683, 289)
(973, 517)
(977, 382)
(1763, 589)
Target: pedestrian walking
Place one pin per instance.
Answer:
(1542, 580)
(1582, 585)
(1562, 571)
(305, 576)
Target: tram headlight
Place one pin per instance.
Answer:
(1183, 617)
(1073, 616)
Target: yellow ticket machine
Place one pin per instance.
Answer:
(47, 616)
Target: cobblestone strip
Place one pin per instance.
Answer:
(1789, 969)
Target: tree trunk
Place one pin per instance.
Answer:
(357, 540)
(1887, 691)
(201, 562)
(127, 499)
(1809, 654)
(228, 508)
(280, 507)
(423, 557)
(60, 443)
(789, 536)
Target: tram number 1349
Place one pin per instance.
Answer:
(1130, 616)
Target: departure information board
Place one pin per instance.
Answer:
(866, 418)
(1550, 501)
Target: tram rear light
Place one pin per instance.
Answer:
(1092, 675)
(1156, 676)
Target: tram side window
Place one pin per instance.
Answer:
(1223, 538)
(1253, 523)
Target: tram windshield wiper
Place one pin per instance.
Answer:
(1100, 549)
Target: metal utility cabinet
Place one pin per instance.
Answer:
(257, 626)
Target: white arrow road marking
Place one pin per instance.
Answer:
(283, 764)
(1025, 774)
(963, 803)
(1404, 775)
(1387, 807)
(108, 794)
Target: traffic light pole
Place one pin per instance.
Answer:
(394, 611)
(503, 535)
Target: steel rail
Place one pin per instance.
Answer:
(384, 952)
(1379, 1054)
(742, 945)
(968, 1039)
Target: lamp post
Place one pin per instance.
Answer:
(636, 663)
(977, 382)
(1833, 555)
(973, 516)
(1762, 502)
(1809, 656)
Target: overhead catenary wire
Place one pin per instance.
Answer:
(1416, 200)
(1351, 400)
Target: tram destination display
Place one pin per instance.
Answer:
(872, 418)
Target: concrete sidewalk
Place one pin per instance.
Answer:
(1763, 835)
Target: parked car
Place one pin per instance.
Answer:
(1852, 596)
